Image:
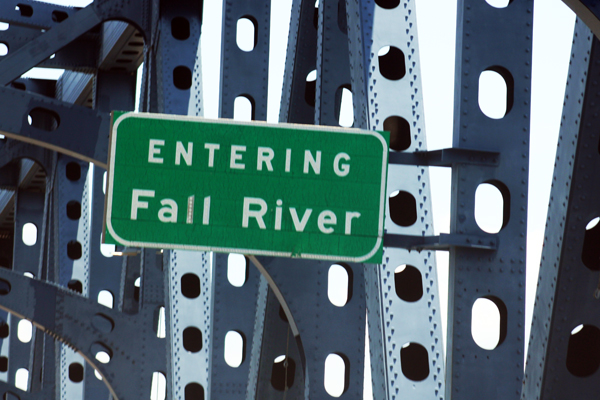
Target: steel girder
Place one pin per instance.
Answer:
(562, 359)
(388, 96)
(499, 40)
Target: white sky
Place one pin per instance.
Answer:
(553, 28)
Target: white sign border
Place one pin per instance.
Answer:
(170, 117)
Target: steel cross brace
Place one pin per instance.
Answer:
(88, 327)
(563, 357)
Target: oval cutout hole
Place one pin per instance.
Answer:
(234, 349)
(414, 361)
(336, 378)
(22, 379)
(29, 234)
(59, 16)
(310, 90)
(495, 95)
(182, 78)
(344, 109)
(74, 250)
(488, 322)
(101, 353)
(160, 322)
(158, 389)
(4, 26)
(194, 391)
(499, 3)
(237, 269)
(103, 323)
(583, 351)
(3, 49)
(399, 130)
(4, 287)
(590, 254)
(387, 4)
(492, 206)
(403, 208)
(282, 373)
(3, 364)
(75, 372)
(44, 119)
(180, 28)
(75, 286)
(409, 283)
(243, 108)
(107, 250)
(73, 171)
(190, 285)
(24, 331)
(192, 339)
(106, 298)
(24, 10)
(246, 34)
(4, 330)
(339, 283)
(74, 210)
(392, 65)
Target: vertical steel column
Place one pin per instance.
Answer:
(281, 372)
(245, 73)
(564, 346)
(173, 82)
(235, 309)
(29, 208)
(72, 240)
(333, 63)
(240, 309)
(386, 82)
(298, 93)
(324, 328)
(113, 91)
(178, 61)
(498, 40)
(190, 322)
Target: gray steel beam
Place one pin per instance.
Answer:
(333, 61)
(245, 73)
(34, 13)
(321, 327)
(563, 357)
(298, 94)
(498, 40)
(130, 340)
(281, 365)
(64, 135)
(386, 82)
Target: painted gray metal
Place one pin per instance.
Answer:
(298, 95)
(245, 73)
(381, 99)
(498, 39)
(557, 368)
(481, 264)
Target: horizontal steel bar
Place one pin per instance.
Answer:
(446, 157)
(442, 242)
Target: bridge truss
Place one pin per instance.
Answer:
(170, 315)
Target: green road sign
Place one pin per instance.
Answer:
(255, 188)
